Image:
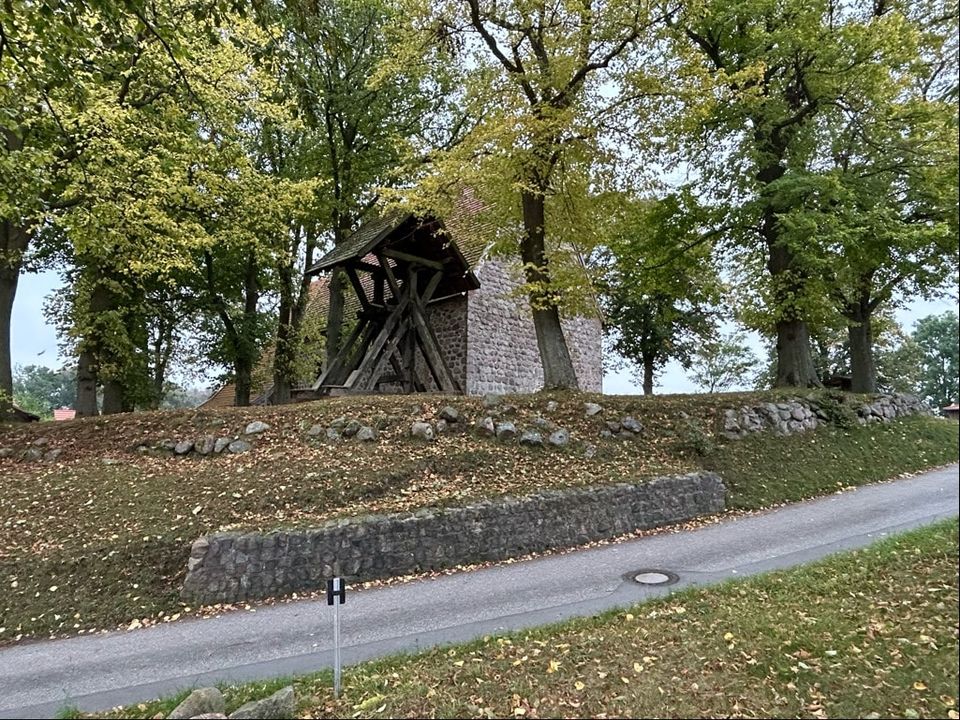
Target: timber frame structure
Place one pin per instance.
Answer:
(397, 265)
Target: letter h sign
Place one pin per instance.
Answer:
(336, 588)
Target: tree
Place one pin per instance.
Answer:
(544, 80)
(721, 363)
(41, 390)
(938, 338)
(775, 81)
(659, 284)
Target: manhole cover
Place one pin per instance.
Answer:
(652, 576)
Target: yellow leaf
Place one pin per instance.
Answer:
(459, 663)
(519, 711)
(629, 617)
(553, 666)
(918, 685)
(579, 685)
(637, 667)
(728, 636)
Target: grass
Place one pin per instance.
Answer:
(869, 633)
(86, 545)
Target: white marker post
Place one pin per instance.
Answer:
(336, 588)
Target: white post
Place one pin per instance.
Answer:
(336, 648)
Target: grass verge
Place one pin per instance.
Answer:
(869, 633)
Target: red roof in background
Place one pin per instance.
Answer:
(64, 414)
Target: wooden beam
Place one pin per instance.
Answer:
(340, 358)
(389, 276)
(369, 382)
(375, 349)
(361, 265)
(415, 259)
(409, 347)
(431, 349)
(357, 286)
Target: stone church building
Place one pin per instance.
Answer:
(481, 325)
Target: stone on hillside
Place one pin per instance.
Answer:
(798, 413)
(450, 414)
(205, 445)
(315, 430)
(559, 437)
(209, 716)
(221, 444)
(423, 430)
(551, 406)
(339, 423)
(32, 454)
(167, 444)
(239, 446)
(52, 455)
(632, 424)
(531, 437)
(333, 433)
(613, 426)
(366, 434)
(41, 442)
(491, 400)
(589, 450)
(442, 425)
(204, 700)
(351, 428)
(544, 424)
(487, 427)
(282, 704)
(591, 409)
(6, 452)
(183, 447)
(505, 431)
(257, 426)
(606, 434)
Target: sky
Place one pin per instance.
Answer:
(34, 342)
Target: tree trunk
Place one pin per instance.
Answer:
(648, 376)
(862, 366)
(558, 369)
(242, 379)
(285, 349)
(113, 402)
(86, 402)
(795, 366)
(13, 243)
(246, 348)
(334, 334)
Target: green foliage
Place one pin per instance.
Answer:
(40, 390)
(724, 362)
(937, 338)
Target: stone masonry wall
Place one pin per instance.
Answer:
(800, 415)
(232, 567)
(449, 321)
(502, 353)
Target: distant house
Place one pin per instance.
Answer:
(64, 414)
(951, 411)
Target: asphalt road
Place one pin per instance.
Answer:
(98, 672)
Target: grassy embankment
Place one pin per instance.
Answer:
(869, 633)
(99, 538)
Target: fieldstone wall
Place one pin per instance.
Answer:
(232, 567)
(449, 321)
(799, 415)
(502, 353)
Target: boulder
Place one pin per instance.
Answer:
(41, 442)
(589, 450)
(544, 424)
(531, 438)
(487, 427)
(366, 434)
(315, 430)
(450, 414)
(31, 454)
(221, 444)
(491, 400)
(505, 430)
(591, 409)
(351, 428)
(423, 430)
(199, 702)
(205, 445)
(53, 455)
(6, 452)
(551, 406)
(257, 426)
(239, 446)
(613, 426)
(282, 704)
(183, 447)
(442, 425)
(631, 424)
(333, 433)
(167, 444)
(339, 423)
(559, 437)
